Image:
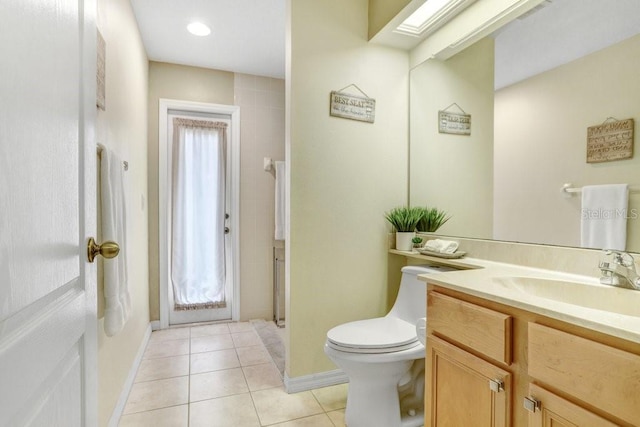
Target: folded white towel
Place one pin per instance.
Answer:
(442, 246)
(604, 216)
(114, 214)
(280, 190)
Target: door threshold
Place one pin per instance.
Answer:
(208, 322)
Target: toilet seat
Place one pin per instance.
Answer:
(373, 336)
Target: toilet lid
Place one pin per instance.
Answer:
(383, 334)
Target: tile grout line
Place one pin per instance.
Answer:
(250, 392)
(152, 410)
(255, 408)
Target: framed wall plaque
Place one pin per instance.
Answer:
(455, 123)
(612, 140)
(353, 107)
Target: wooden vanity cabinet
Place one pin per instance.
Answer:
(599, 375)
(489, 364)
(464, 389)
(550, 410)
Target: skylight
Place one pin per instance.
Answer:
(431, 14)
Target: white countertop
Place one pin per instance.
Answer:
(490, 280)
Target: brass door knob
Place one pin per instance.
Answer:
(107, 249)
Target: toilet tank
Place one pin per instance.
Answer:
(411, 302)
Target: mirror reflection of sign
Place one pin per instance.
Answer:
(352, 107)
(454, 123)
(610, 141)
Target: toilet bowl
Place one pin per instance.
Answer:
(384, 360)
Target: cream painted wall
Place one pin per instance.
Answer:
(261, 101)
(540, 144)
(383, 11)
(183, 83)
(344, 174)
(122, 127)
(454, 172)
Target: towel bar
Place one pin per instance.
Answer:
(568, 189)
(278, 292)
(125, 164)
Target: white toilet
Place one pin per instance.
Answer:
(384, 360)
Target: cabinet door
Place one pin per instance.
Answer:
(600, 375)
(553, 411)
(464, 390)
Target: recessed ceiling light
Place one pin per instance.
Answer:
(199, 29)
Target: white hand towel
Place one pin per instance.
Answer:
(114, 213)
(280, 217)
(442, 246)
(604, 216)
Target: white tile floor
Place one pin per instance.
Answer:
(221, 376)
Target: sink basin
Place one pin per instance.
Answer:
(588, 294)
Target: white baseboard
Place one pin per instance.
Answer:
(309, 382)
(155, 325)
(126, 388)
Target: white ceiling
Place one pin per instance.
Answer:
(247, 36)
(560, 32)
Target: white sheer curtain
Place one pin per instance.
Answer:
(198, 214)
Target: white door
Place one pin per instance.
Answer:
(47, 212)
(203, 314)
(168, 109)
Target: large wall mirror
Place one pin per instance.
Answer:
(532, 89)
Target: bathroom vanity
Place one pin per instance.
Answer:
(492, 364)
(519, 346)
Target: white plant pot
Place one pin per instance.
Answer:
(403, 240)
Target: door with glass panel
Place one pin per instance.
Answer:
(200, 286)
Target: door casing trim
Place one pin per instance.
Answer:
(233, 111)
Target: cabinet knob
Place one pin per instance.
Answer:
(496, 385)
(531, 404)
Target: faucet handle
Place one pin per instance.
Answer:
(627, 260)
(622, 258)
(621, 265)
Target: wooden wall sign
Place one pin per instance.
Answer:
(612, 140)
(455, 123)
(352, 107)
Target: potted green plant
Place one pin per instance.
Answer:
(432, 219)
(416, 242)
(404, 220)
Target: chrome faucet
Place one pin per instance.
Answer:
(617, 265)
